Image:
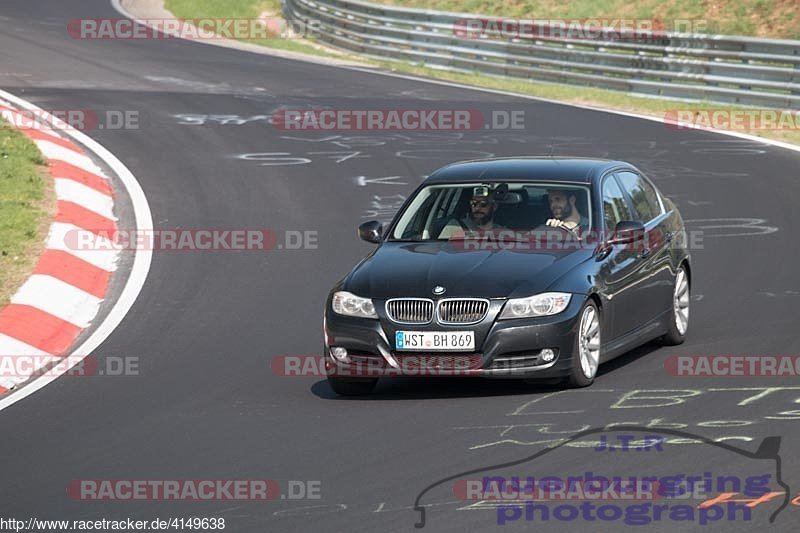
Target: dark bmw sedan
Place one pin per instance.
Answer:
(519, 267)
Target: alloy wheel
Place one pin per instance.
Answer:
(589, 341)
(680, 301)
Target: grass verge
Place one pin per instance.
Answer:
(249, 9)
(27, 203)
(601, 98)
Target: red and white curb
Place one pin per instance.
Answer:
(139, 267)
(63, 294)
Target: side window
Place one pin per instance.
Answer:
(615, 208)
(644, 196)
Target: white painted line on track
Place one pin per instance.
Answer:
(630, 114)
(312, 59)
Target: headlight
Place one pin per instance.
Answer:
(345, 303)
(547, 303)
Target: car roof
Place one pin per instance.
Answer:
(573, 169)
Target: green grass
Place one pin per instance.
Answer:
(222, 8)
(24, 208)
(246, 9)
(565, 93)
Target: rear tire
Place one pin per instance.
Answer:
(352, 387)
(586, 355)
(679, 315)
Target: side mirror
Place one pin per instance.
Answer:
(371, 231)
(626, 232)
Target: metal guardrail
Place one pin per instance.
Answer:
(743, 70)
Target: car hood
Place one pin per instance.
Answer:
(414, 269)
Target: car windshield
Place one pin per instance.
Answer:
(451, 211)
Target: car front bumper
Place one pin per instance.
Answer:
(503, 348)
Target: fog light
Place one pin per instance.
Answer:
(547, 355)
(340, 354)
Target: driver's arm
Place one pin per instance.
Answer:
(556, 223)
(453, 228)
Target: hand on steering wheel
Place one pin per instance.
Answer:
(557, 223)
(568, 226)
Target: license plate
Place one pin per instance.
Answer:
(445, 341)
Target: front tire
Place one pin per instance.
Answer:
(352, 387)
(679, 317)
(586, 356)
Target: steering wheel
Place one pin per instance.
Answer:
(572, 232)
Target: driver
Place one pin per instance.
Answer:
(565, 213)
(480, 218)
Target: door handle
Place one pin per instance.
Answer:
(644, 253)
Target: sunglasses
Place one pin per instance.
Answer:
(479, 203)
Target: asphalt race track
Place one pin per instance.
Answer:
(207, 325)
